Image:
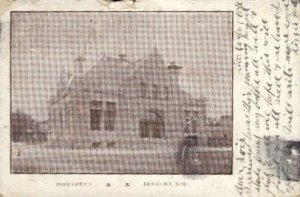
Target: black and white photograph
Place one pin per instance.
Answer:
(121, 92)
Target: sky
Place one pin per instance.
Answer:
(44, 43)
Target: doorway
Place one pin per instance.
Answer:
(152, 125)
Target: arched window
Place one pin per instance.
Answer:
(151, 125)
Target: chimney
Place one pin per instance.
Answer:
(173, 66)
(174, 71)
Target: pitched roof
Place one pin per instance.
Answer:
(111, 73)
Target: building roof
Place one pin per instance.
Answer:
(111, 74)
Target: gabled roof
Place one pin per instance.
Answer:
(111, 73)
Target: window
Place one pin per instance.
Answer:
(151, 126)
(97, 91)
(155, 91)
(96, 104)
(96, 115)
(110, 116)
(151, 129)
(166, 92)
(144, 129)
(95, 119)
(143, 90)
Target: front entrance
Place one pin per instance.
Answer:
(151, 126)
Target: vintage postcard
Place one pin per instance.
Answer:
(150, 97)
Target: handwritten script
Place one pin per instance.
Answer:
(266, 50)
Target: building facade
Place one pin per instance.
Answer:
(125, 103)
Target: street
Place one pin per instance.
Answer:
(39, 159)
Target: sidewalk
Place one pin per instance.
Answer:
(38, 151)
(38, 159)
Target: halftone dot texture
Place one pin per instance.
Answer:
(116, 92)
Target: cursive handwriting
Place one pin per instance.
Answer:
(266, 48)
